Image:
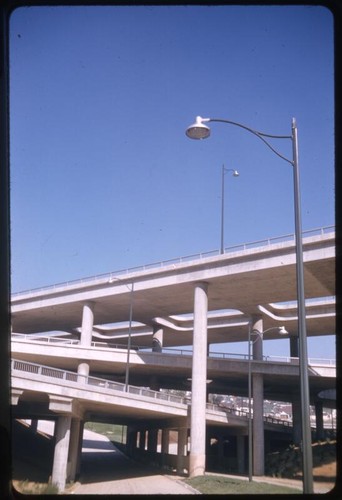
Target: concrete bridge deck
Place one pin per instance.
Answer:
(94, 398)
(174, 370)
(249, 281)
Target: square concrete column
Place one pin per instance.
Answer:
(165, 441)
(182, 449)
(60, 459)
(79, 451)
(199, 382)
(152, 440)
(74, 450)
(142, 440)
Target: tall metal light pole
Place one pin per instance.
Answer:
(235, 173)
(201, 131)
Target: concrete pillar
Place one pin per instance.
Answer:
(83, 372)
(152, 440)
(319, 420)
(79, 452)
(240, 446)
(182, 449)
(131, 441)
(157, 339)
(85, 340)
(74, 451)
(296, 421)
(154, 383)
(142, 440)
(34, 425)
(165, 441)
(258, 405)
(60, 460)
(294, 346)
(199, 382)
(87, 324)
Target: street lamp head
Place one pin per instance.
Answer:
(283, 331)
(198, 130)
(235, 173)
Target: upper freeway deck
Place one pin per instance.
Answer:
(249, 280)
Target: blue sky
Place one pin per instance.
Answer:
(103, 176)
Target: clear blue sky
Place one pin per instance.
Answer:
(102, 174)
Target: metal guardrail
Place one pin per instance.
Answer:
(172, 351)
(180, 260)
(56, 373)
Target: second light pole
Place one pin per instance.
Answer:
(235, 173)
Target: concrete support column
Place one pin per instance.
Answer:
(131, 441)
(74, 451)
(199, 382)
(294, 347)
(79, 452)
(157, 339)
(60, 460)
(182, 449)
(87, 324)
(165, 441)
(296, 421)
(154, 384)
(85, 340)
(142, 440)
(240, 446)
(34, 425)
(152, 440)
(319, 420)
(258, 405)
(82, 372)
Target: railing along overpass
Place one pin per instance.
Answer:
(172, 367)
(49, 391)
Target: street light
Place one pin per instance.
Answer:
(201, 131)
(235, 173)
(281, 331)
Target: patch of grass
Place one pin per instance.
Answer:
(113, 432)
(222, 485)
(31, 488)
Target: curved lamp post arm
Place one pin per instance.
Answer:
(260, 135)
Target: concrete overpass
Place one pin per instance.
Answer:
(200, 302)
(253, 280)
